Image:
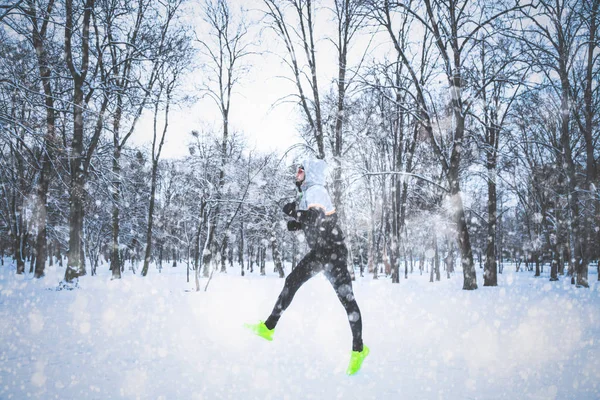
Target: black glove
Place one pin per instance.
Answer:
(290, 209)
(294, 225)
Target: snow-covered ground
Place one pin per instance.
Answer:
(155, 338)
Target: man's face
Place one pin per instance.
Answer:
(300, 174)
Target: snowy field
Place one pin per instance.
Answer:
(153, 338)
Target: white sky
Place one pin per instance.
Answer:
(265, 127)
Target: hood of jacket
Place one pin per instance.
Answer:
(314, 173)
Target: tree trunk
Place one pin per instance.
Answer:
(42, 231)
(450, 260)
(555, 262)
(241, 243)
(198, 235)
(207, 253)
(593, 197)
(394, 236)
(277, 257)
(32, 259)
(224, 249)
(75, 264)
(59, 257)
(470, 278)
(148, 251)
(250, 255)
(168, 88)
(116, 197)
(371, 256)
(490, 273)
(561, 260)
(576, 227)
(116, 186)
(397, 196)
(39, 37)
(19, 242)
(404, 196)
(260, 259)
(437, 259)
(432, 270)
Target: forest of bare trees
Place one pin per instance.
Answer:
(457, 132)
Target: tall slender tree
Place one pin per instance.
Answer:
(79, 71)
(225, 47)
(41, 42)
(176, 61)
(299, 40)
(135, 57)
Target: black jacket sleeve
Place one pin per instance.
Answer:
(311, 217)
(294, 225)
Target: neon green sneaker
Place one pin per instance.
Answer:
(261, 330)
(356, 360)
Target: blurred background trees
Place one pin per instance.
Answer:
(460, 135)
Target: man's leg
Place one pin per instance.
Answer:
(308, 267)
(337, 273)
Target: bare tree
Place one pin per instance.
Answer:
(349, 18)
(294, 23)
(144, 43)
(79, 72)
(225, 47)
(176, 56)
(552, 47)
(500, 80)
(40, 40)
(17, 171)
(454, 31)
(393, 84)
(589, 14)
(299, 39)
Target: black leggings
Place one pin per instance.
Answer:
(333, 263)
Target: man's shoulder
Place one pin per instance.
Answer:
(317, 196)
(316, 190)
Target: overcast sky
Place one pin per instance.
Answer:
(265, 127)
